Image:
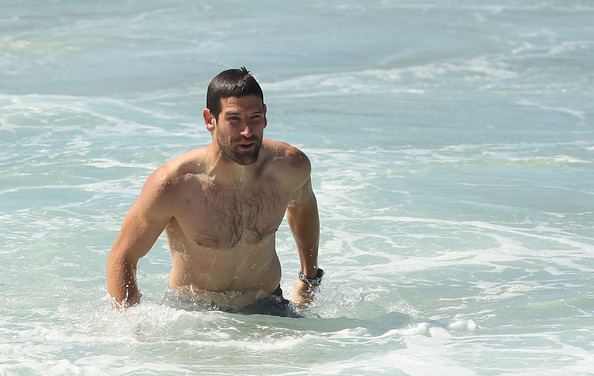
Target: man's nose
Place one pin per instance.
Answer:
(247, 131)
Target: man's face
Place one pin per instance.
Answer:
(240, 128)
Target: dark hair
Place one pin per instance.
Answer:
(231, 83)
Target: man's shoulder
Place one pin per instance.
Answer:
(288, 160)
(283, 153)
(173, 173)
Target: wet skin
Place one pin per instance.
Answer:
(220, 207)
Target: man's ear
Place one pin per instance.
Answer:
(265, 118)
(209, 120)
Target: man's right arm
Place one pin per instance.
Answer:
(142, 226)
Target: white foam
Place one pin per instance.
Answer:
(462, 325)
(569, 111)
(431, 268)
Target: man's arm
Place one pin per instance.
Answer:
(303, 218)
(142, 226)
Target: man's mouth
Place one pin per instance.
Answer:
(245, 145)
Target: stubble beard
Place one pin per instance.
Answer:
(241, 157)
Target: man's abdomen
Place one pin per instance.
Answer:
(237, 276)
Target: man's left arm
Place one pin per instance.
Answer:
(303, 219)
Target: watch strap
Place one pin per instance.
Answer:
(312, 281)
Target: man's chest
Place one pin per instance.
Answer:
(223, 217)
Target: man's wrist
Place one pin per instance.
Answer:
(314, 281)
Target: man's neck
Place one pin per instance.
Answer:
(226, 171)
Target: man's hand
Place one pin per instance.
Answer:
(301, 295)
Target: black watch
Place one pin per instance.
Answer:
(312, 281)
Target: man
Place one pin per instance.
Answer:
(221, 206)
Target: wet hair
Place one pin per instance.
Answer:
(231, 83)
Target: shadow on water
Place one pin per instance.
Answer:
(296, 319)
(367, 317)
(374, 326)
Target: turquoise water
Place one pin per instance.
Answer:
(453, 152)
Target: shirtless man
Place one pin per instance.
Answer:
(221, 206)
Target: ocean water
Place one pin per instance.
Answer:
(452, 145)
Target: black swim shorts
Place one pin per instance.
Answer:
(275, 305)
